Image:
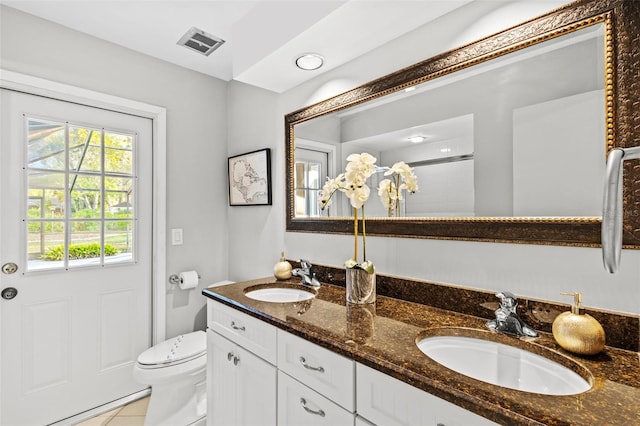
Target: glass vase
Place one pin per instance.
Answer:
(361, 286)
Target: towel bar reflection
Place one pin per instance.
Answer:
(612, 207)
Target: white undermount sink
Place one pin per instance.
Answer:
(503, 365)
(279, 294)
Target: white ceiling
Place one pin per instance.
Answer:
(263, 37)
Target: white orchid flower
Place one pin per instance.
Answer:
(358, 195)
(384, 192)
(391, 190)
(329, 188)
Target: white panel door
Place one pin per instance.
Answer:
(75, 213)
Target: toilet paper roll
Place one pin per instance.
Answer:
(188, 280)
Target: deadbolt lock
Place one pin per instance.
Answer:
(9, 293)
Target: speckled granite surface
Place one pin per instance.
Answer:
(384, 337)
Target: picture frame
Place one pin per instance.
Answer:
(250, 178)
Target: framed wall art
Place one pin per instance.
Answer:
(250, 178)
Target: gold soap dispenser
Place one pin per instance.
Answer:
(282, 269)
(578, 332)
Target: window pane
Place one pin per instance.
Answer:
(119, 234)
(85, 196)
(118, 153)
(117, 140)
(46, 203)
(84, 243)
(300, 175)
(300, 200)
(44, 179)
(84, 149)
(314, 176)
(46, 144)
(314, 207)
(45, 245)
(120, 209)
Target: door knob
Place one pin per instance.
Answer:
(9, 293)
(9, 268)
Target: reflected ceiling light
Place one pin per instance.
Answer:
(309, 61)
(417, 139)
(410, 88)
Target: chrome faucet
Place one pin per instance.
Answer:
(304, 272)
(507, 320)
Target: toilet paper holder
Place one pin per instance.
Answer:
(176, 280)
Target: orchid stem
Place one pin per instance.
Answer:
(397, 195)
(364, 238)
(355, 235)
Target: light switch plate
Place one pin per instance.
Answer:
(176, 237)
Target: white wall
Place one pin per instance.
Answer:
(256, 232)
(548, 139)
(534, 271)
(196, 137)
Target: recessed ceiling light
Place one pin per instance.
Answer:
(309, 61)
(417, 139)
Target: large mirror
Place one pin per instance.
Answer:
(508, 136)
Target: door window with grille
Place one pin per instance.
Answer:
(81, 195)
(310, 170)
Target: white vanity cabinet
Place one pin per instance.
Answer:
(383, 400)
(241, 386)
(258, 374)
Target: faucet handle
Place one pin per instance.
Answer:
(305, 264)
(508, 300)
(507, 319)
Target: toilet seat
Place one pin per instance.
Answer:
(177, 350)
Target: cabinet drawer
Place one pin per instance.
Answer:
(254, 335)
(300, 406)
(322, 370)
(385, 400)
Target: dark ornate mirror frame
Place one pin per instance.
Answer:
(622, 88)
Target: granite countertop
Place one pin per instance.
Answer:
(383, 336)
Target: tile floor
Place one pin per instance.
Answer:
(131, 414)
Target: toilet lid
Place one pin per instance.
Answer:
(176, 350)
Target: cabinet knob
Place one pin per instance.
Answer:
(309, 410)
(229, 356)
(236, 360)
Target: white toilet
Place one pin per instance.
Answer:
(176, 371)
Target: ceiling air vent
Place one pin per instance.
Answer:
(200, 41)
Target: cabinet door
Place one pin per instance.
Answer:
(299, 405)
(221, 381)
(256, 390)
